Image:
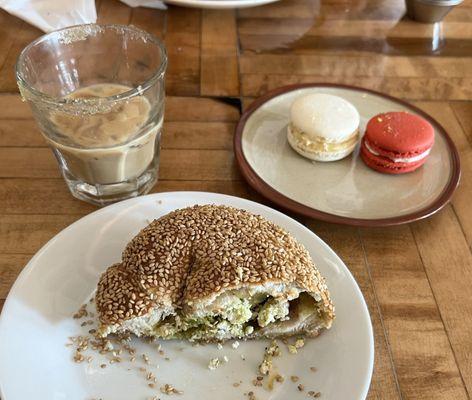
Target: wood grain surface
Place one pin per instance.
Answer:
(416, 278)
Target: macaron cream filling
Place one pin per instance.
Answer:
(319, 144)
(398, 159)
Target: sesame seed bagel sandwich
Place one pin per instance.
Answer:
(212, 273)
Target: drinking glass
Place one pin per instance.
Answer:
(97, 94)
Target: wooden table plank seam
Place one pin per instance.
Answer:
(421, 350)
(461, 123)
(456, 214)
(379, 311)
(440, 315)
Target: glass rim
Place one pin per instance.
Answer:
(52, 100)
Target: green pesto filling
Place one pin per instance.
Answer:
(239, 318)
(235, 319)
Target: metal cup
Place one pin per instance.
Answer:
(430, 11)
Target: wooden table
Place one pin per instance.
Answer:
(416, 279)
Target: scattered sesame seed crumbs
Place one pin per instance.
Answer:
(214, 363)
(256, 382)
(301, 388)
(225, 359)
(299, 343)
(169, 389)
(81, 312)
(294, 378)
(279, 378)
(103, 365)
(236, 384)
(272, 351)
(151, 385)
(219, 346)
(235, 344)
(266, 366)
(313, 369)
(292, 349)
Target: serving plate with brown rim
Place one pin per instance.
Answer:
(345, 191)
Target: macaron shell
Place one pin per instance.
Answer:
(325, 116)
(399, 134)
(385, 165)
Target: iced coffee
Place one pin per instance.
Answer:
(106, 147)
(97, 93)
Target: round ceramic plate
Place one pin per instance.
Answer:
(219, 4)
(344, 191)
(36, 322)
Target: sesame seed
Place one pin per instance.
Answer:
(169, 389)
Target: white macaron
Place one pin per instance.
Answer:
(323, 127)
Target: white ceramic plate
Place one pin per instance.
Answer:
(36, 322)
(219, 4)
(345, 191)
